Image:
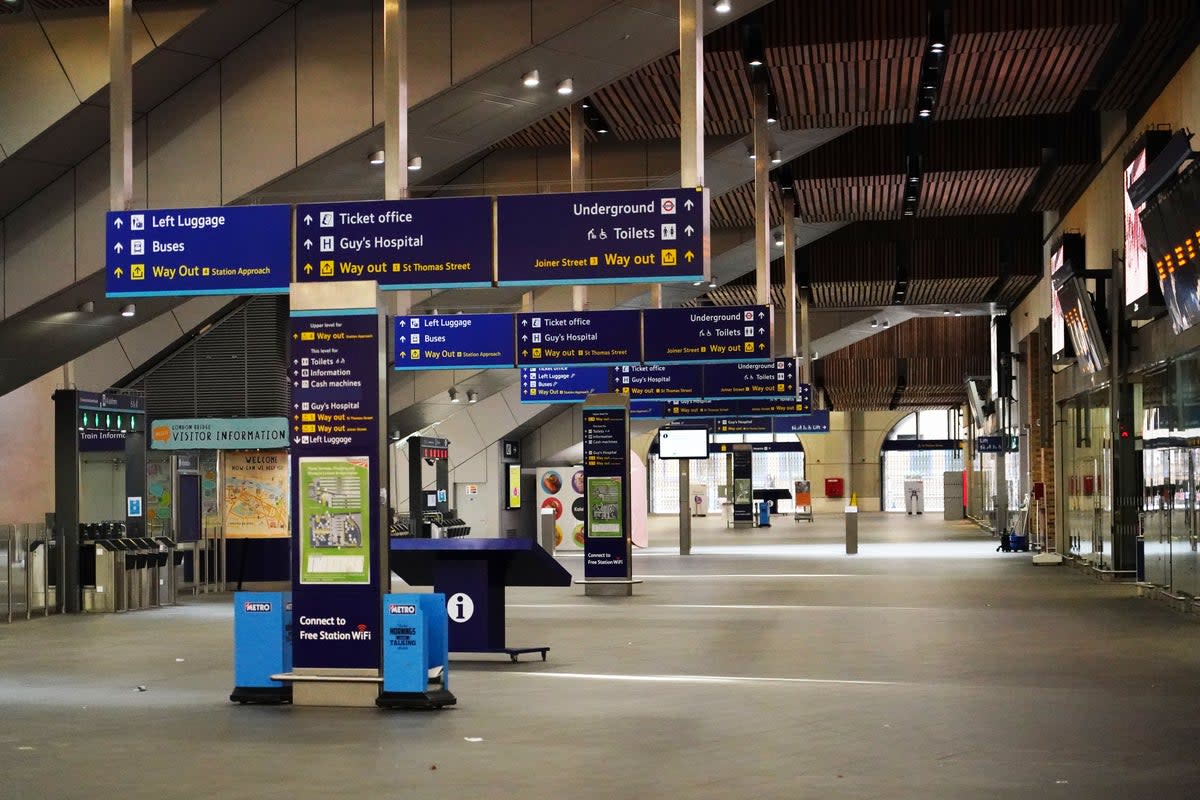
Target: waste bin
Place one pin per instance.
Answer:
(764, 514)
(835, 487)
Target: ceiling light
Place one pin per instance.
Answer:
(584, 104)
(87, 306)
(712, 284)
(531, 78)
(722, 6)
(908, 212)
(958, 313)
(751, 154)
(697, 283)
(415, 163)
(874, 323)
(946, 312)
(913, 179)
(779, 241)
(472, 397)
(777, 157)
(453, 395)
(14, 5)
(755, 62)
(565, 86)
(772, 109)
(377, 157)
(937, 47)
(128, 310)
(887, 324)
(925, 107)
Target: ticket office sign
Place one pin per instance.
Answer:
(577, 338)
(636, 236)
(427, 243)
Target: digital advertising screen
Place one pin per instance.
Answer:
(1066, 258)
(1137, 260)
(1171, 223)
(1082, 325)
(681, 443)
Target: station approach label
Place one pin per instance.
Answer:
(195, 251)
(636, 236)
(429, 243)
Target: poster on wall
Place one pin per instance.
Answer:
(158, 492)
(256, 495)
(561, 489)
(210, 495)
(514, 486)
(335, 520)
(604, 517)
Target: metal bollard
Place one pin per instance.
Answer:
(851, 530)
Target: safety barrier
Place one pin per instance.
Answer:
(26, 587)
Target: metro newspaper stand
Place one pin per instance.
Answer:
(472, 574)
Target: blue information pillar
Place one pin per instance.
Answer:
(607, 551)
(339, 540)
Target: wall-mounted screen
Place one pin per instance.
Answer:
(1171, 222)
(1143, 297)
(1082, 324)
(680, 442)
(1066, 256)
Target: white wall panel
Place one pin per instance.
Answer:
(552, 16)
(98, 369)
(465, 440)
(80, 40)
(492, 418)
(198, 309)
(40, 246)
(332, 61)
(34, 90)
(185, 146)
(148, 339)
(473, 469)
(486, 31)
(258, 109)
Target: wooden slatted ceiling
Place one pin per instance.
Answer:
(735, 208)
(1064, 185)
(979, 191)
(868, 197)
(1015, 288)
(1015, 72)
(1148, 54)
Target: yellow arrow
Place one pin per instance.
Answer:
(762, 346)
(307, 268)
(118, 272)
(689, 255)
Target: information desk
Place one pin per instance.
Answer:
(472, 574)
(773, 496)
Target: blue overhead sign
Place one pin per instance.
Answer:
(431, 243)
(569, 338)
(641, 235)
(195, 251)
(701, 409)
(458, 341)
(816, 421)
(751, 379)
(562, 384)
(707, 334)
(657, 381)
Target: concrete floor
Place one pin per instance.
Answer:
(767, 665)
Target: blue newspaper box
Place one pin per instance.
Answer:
(416, 655)
(262, 646)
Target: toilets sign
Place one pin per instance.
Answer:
(197, 251)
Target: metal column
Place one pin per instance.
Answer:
(691, 174)
(762, 194)
(120, 105)
(579, 292)
(395, 99)
(789, 283)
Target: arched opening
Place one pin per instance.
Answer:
(922, 446)
(778, 464)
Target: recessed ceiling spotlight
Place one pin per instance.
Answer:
(913, 179)
(531, 78)
(779, 241)
(777, 157)
(722, 6)
(453, 395)
(756, 62)
(87, 306)
(377, 158)
(565, 86)
(128, 310)
(874, 323)
(472, 397)
(415, 163)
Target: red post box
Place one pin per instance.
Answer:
(835, 487)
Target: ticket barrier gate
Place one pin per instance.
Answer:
(130, 573)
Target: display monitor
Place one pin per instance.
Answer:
(1171, 222)
(1066, 257)
(1143, 296)
(1082, 324)
(683, 442)
(513, 489)
(975, 399)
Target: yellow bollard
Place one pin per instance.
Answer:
(854, 499)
